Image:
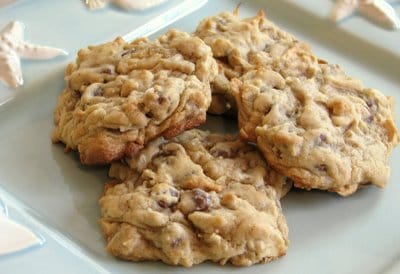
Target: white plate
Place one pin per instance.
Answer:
(54, 193)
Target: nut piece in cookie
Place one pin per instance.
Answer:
(120, 95)
(194, 198)
(315, 124)
(238, 45)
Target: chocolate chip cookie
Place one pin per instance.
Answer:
(238, 45)
(315, 124)
(120, 95)
(193, 198)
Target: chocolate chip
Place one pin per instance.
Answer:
(98, 92)
(76, 94)
(141, 106)
(161, 100)
(221, 153)
(323, 138)
(149, 115)
(221, 26)
(371, 103)
(322, 167)
(106, 71)
(202, 199)
(223, 59)
(369, 119)
(127, 52)
(372, 107)
(173, 192)
(114, 130)
(221, 21)
(163, 204)
(289, 114)
(125, 161)
(267, 110)
(166, 196)
(165, 153)
(175, 242)
(279, 154)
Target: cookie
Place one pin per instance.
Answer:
(193, 198)
(315, 124)
(236, 44)
(120, 95)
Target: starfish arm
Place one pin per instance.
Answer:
(381, 12)
(96, 4)
(10, 69)
(18, 237)
(15, 30)
(137, 5)
(5, 2)
(343, 9)
(30, 51)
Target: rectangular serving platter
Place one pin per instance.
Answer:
(56, 196)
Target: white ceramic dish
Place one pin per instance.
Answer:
(53, 193)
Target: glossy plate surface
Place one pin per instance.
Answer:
(56, 196)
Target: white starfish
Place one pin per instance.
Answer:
(126, 4)
(5, 2)
(18, 236)
(12, 48)
(378, 10)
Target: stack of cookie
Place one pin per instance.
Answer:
(184, 196)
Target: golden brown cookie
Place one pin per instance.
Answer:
(238, 45)
(317, 125)
(196, 197)
(120, 95)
